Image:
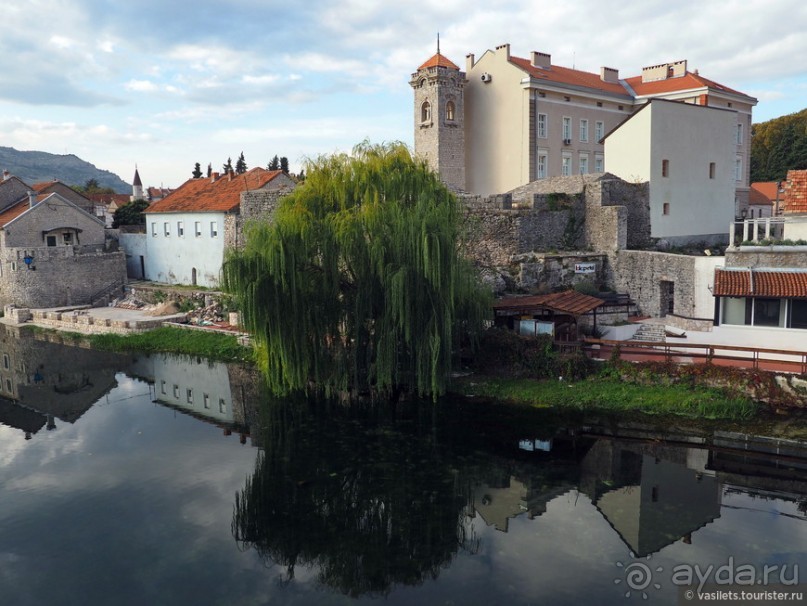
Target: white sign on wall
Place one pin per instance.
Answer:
(585, 268)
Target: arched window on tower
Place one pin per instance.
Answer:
(450, 111)
(426, 112)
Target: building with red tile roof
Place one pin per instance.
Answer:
(523, 119)
(795, 193)
(764, 199)
(188, 231)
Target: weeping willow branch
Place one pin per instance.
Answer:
(357, 286)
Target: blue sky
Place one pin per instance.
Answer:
(166, 84)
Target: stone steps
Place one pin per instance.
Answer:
(652, 333)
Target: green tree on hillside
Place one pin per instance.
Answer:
(357, 286)
(274, 164)
(284, 165)
(777, 146)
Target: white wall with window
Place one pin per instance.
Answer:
(765, 312)
(175, 258)
(582, 164)
(542, 131)
(738, 168)
(599, 130)
(599, 163)
(583, 130)
(566, 165)
(542, 163)
(567, 128)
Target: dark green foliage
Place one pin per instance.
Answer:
(215, 346)
(357, 286)
(209, 170)
(241, 165)
(301, 176)
(228, 166)
(779, 145)
(197, 171)
(284, 164)
(130, 214)
(91, 186)
(274, 164)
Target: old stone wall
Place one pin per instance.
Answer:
(767, 256)
(58, 276)
(646, 276)
(255, 205)
(606, 228)
(544, 273)
(52, 214)
(635, 197)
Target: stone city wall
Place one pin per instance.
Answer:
(767, 256)
(58, 276)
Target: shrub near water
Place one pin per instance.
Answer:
(212, 345)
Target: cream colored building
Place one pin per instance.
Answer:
(525, 118)
(689, 170)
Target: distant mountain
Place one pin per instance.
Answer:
(777, 146)
(35, 167)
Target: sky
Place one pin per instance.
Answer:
(162, 85)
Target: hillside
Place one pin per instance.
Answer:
(34, 167)
(779, 145)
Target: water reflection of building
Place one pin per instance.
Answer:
(201, 388)
(651, 495)
(49, 379)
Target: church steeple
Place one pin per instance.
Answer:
(137, 187)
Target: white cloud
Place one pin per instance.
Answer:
(140, 85)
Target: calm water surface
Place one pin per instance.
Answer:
(156, 480)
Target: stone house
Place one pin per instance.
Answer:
(188, 231)
(66, 192)
(53, 253)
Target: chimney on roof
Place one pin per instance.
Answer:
(543, 60)
(506, 48)
(213, 177)
(664, 71)
(609, 74)
(31, 199)
(6, 175)
(469, 62)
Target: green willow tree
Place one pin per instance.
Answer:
(357, 287)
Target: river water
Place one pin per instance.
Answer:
(139, 480)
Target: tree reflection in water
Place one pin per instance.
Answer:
(367, 499)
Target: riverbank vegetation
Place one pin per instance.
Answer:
(212, 345)
(531, 371)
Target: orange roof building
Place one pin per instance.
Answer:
(506, 120)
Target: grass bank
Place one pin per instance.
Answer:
(212, 345)
(605, 393)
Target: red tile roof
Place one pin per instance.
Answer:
(573, 77)
(439, 60)
(670, 85)
(38, 187)
(795, 196)
(763, 193)
(760, 283)
(568, 301)
(12, 212)
(206, 195)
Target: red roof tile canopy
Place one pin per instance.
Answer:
(439, 60)
(567, 302)
(564, 75)
(795, 196)
(760, 283)
(12, 212)
(764, 193)
(213, 194)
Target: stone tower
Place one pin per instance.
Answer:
(439, 118)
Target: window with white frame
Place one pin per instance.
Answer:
(567, 128)
(566, 165)
(543, 161)
(180, 228)
(738, 169)
(583, 130)
(154, 229)
(599, 130)
(214, 229)
(599, 163)
(542, 126)
(739, 134)
(197, 228)
(582, 164)
(167, 228)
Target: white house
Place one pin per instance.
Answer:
(686, 153)
(188, 231)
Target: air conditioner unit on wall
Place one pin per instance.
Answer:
(567, 141)
(486, 77)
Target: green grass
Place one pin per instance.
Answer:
(609, 394)
(212, 345)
